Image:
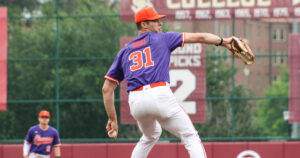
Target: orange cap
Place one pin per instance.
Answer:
(44, 113)
(148, 13)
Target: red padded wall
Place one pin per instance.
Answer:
(66, 151)
(117, 150)
(230, 150)
(208, 149)
(182, 152)
(291, 149)
(89, 150)
(159, 151)
(12, 151)
(166, 150)
(267, 149)
(1, 151)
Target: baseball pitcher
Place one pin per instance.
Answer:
(144, 64)
(41, 139)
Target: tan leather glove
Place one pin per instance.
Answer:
(242, 50)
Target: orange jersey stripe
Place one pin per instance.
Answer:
(182, 43)
(111, 79)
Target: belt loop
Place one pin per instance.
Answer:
(146, 87)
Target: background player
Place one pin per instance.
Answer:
(144, 63)
(41, 139)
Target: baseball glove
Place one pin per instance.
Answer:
(242, 50)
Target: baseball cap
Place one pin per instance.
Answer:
(147, 13)
(44, 113)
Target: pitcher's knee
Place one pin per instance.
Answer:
(190, 138)
(153, 137)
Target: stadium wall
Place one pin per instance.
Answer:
(167, 150)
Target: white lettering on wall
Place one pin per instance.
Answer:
(218, 4)
(182, 14)
(222, 13)
(188, 86)
(185, 61)
(190, 4)
(295, 2)
(138, 4)
(297, 11)
(264, 3)
(189, 49)
(202, 14)
(280, 12)
(233, 3)
(248, 3)
(186, 4)
(261, 12)
(242, 13)
(173, 5)
(202, 4)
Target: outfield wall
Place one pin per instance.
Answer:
(170, 150)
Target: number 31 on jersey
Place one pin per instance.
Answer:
(137, 59)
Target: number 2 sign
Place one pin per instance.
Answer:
(187, 79)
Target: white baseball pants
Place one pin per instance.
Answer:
(35, 155)
(157, 107)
